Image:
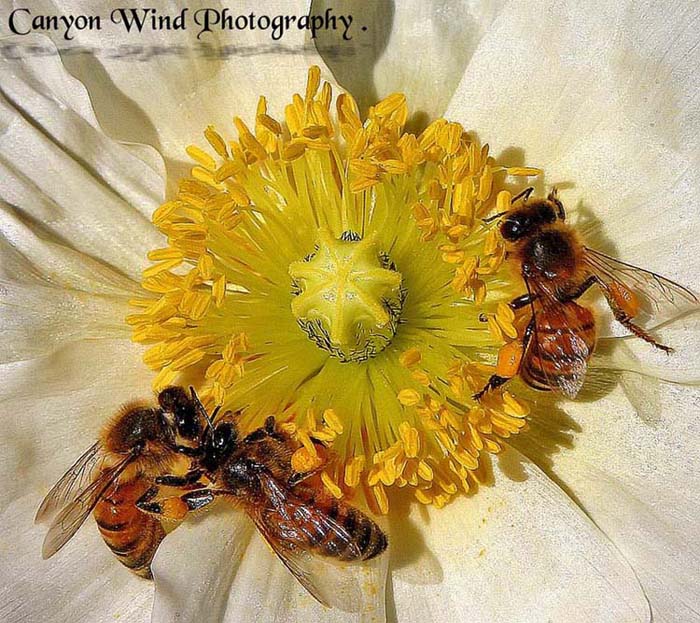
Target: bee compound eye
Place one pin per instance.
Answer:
(187, 425)
(515, 227)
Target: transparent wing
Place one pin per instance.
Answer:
(562, 352)
(284, 524)
(73, 515)
(659, 298)
(327, 582)
(71, 483)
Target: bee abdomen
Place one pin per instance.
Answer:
(366, 538)
(563, 343)
(132, 536)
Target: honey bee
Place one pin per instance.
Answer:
(299, 521)
(554, 349)
(116, 472)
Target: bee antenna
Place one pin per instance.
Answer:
(492, 218)
(202, 410)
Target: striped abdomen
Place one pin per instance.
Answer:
(133, 536)
(311, 526)
(368, 538)
(563, 343)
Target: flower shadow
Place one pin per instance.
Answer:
(363, 50)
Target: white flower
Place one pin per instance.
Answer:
(593, 515)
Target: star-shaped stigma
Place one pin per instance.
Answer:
(346, 286)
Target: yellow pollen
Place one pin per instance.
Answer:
(336, 271)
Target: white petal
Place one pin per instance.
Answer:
(60, 174)
(210, 567)
(163, 87)
(52, 409)
(29, 331)
(419, 48)
(605, 101)
(52, 294)
(195, 566)
(636, 472)
(519, 550)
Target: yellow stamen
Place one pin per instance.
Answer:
(334, 271)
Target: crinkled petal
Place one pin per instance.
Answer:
(519, 550)
(62, 176)
(163, 87)
(420, 48)
(52, 409)
(605, 101)
(635, 470)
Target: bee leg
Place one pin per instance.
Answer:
(147, 496)
(624, 306)
(523, 194)
(510, 358)
(494, 382)
(298, 477)
(578, 291)
(190, 478)
(164, 509)
(521, 301)
(175, 508)
(266, 430)
(187, 451)
(636, 330)
(554, 198)
(194, 500)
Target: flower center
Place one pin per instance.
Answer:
(348, 296)
(334, 271)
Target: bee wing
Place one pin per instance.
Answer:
(566, 352)
(71, 483)
(72, 516)
(284, 525)
(659, 298)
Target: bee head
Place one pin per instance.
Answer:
(135, 427)
(219, 443)
(525, 221)
(184, 410)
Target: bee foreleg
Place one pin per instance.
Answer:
(187, 451)
(494, 382)
(523, 194)
(201, 497)
(554, 198)
(268, 429)
(521, 301)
